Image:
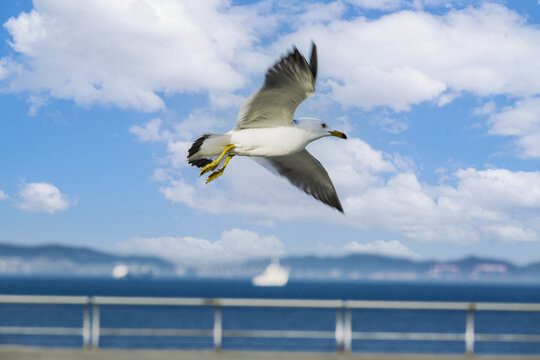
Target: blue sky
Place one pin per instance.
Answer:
(440, 99)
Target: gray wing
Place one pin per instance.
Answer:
(306, 173)
(286, 85)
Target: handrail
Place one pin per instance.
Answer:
(343, 334)
(44, 299)
(230, 302)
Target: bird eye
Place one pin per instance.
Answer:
(323, 125)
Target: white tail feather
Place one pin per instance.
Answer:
(207, 147)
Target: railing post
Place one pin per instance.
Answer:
(339, 329)
(469, 330)
(218, 330)
(347, 330)
(86, 330)
(95, 324)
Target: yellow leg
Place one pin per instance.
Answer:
(215, 163)
(216, 174)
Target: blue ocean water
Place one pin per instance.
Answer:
(170, 317)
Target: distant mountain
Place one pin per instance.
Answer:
(378, 267)
(531, 270)
(77, 261)
(81, 261)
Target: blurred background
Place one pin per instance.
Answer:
(439, 180)
(400, 301)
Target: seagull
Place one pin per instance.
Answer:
(267, 131)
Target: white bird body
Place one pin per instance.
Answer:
(266, 129)
(278, 141)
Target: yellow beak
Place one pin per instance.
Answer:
(338, 134)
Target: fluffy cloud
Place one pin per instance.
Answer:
(521, 121)
(42, 198)
(150, 132)
(127, 52)
(407, 57)
(414, 4)
(493, 204)
(233, 245)
(380, 192)
(241, 188)
(390, 125)
(3, 70)
(3, 195)
(381, 247)
(130, 52)
(498, 189)
(90, 52)
(379, 4)
(36, 102)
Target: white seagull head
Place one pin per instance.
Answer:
(317, 128)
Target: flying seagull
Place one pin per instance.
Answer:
(267, 130)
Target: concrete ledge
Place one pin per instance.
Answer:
(28, 353)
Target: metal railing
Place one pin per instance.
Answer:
(343, 334)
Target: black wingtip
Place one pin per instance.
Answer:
(337, 205)
(195, 147)
(332, 200)
(199, 162)
(313, 60)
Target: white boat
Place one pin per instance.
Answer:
(273, 275)
(120, 271)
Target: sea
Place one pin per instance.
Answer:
(172, 317)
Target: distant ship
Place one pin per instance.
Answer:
(120, 271)
(273, 275)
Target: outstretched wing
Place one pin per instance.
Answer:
(306, 173)
(286, 85)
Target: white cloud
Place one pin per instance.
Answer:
(178, 152)
(248, 188)
(36, 102)
(499, 189)
(407, 57)
(399, 4)
(151, 131)
(198, 122)
(226, 100)
(178, 191)
(42, 198)
(521, 121)
(161, 174)
(178, 135)
(510, 233)
(4, 72)
(127, 52)
(493, 204)
(487, 109)
(379, 4)
(390, 125)
(380, 247)
(89, 52)
(233, 245)
(316, 13)
(3, 195)
(379, 192)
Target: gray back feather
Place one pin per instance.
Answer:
(289, 82)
